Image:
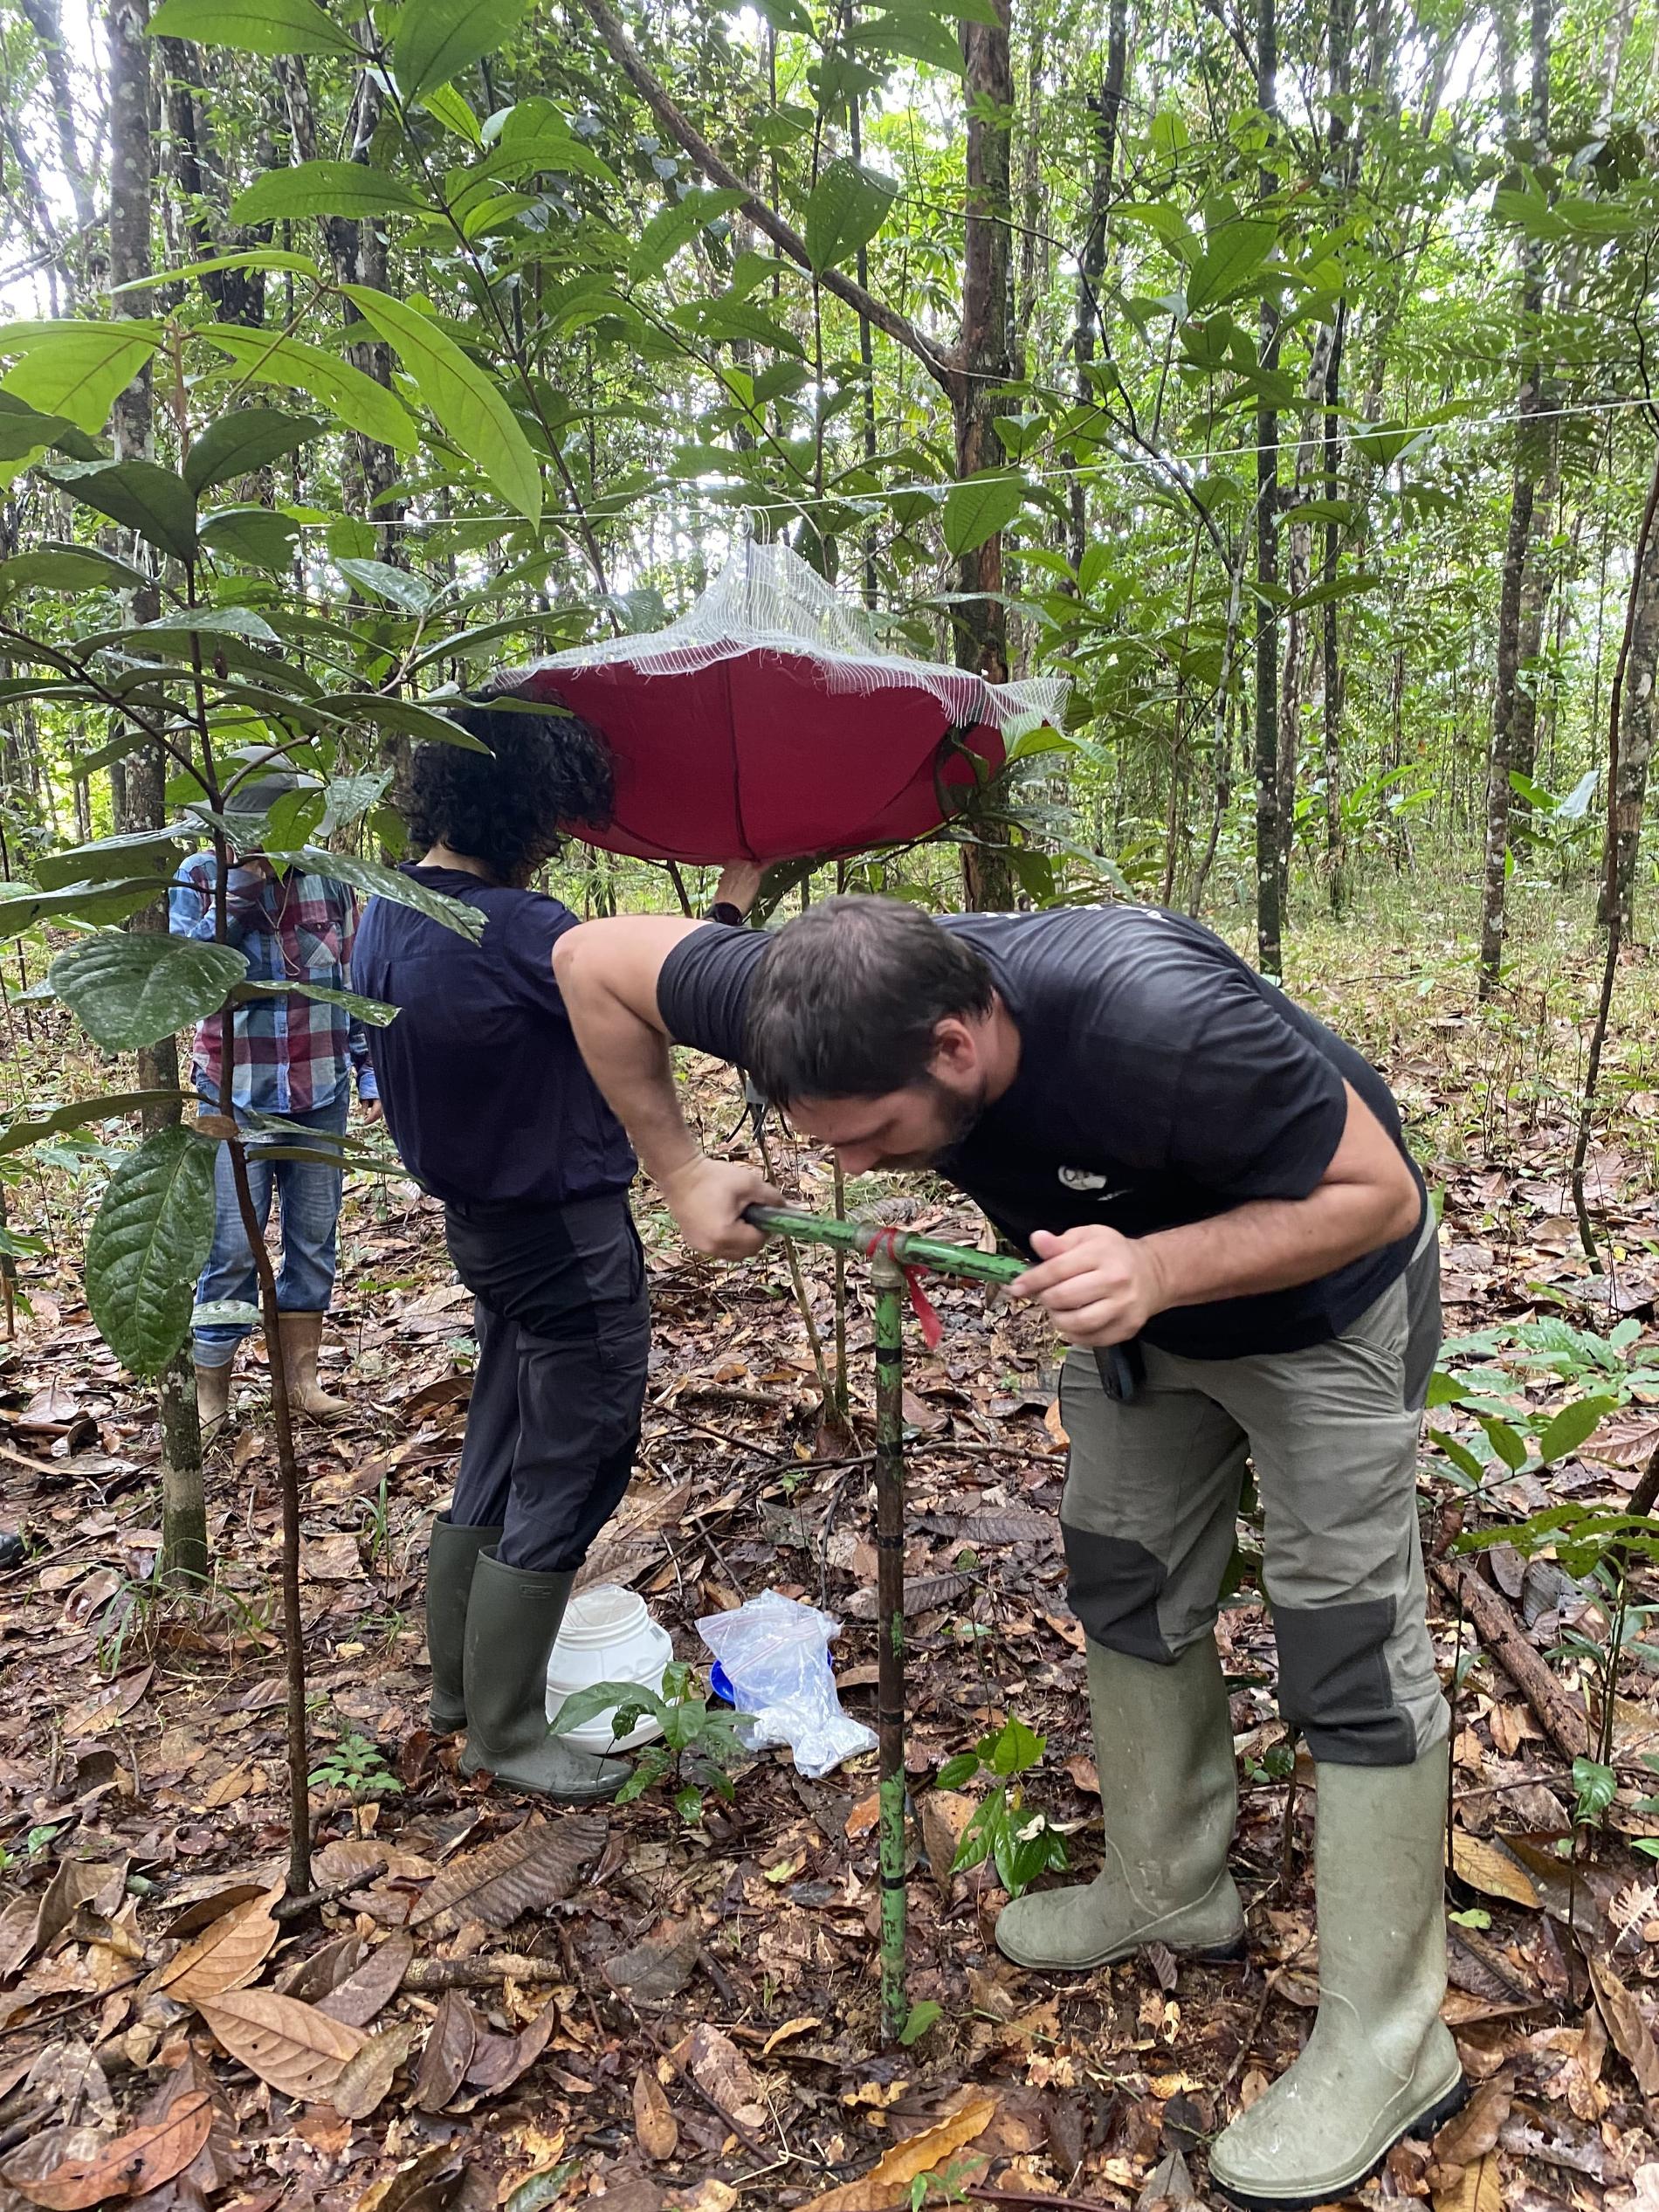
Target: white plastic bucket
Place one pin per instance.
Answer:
(607, 1636)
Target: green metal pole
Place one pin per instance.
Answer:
(888, 1282)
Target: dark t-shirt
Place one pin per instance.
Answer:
(1160, 1081)
(486, 1093)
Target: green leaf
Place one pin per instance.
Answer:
(848, 206)
(447, 106)
(111, 858)
(18, 1135)
(916, 32)
(140, 494)
(605, 1696)
(1573, 1426)
(977, 508)
(375, 1011)
(373, 881)
(1017, 1748)
(259, 537)
(246, 439)
(76, 369)
(67, 569)
(1232, 256)
(675, 226)
(252, 26)
(21, 905)
(266, 357)
(922, 2017)
(437, 40)
(956, 1771)
(325, 188)
(148, 1246)
(1460, 1455)
(1505, 1442)
(468, 407)
(406, 716)
(130, 989)
(1596, 1786)
(396, 586)
(27, 431)
(261, 256)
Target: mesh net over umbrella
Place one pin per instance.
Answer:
(770, 722)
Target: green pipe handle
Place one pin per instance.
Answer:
(1120, 1365)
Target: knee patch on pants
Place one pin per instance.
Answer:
(1114, 1586)
(1334, 1686)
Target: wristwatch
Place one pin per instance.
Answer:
(724, 911)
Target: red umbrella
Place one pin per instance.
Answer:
(768, 723)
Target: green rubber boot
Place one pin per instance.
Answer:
(1380, 2063)
(512, 1620)
(1168, 1800)
(451, 1558)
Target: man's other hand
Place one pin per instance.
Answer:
(1098, 1287)
(739, 884)
(706, 1197)
(369, 1112)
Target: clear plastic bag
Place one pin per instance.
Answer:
(775, 1654)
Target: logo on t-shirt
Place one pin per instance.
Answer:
(1084, 1179)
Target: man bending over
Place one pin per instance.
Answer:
(1205, 1172)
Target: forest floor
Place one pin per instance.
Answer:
(650, 2013)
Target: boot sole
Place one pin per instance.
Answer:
(1231, 1954)
(1433, 2116)
(491, 1780)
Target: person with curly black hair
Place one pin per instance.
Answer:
(492, 1111)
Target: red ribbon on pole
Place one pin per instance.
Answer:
(886, 1240)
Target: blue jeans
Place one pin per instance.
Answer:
(309, 1198)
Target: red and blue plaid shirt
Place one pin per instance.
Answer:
(289, 1054)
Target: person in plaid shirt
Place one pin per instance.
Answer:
(290, 1056)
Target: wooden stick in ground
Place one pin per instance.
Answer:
(1503, 1638)
(481, 1974)
(887, 1279)
(288, 1478)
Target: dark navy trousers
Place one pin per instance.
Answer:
(563, 1326)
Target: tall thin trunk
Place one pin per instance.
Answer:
(132, 172)
(1091, 262)
(984, 363)
(1523, 498)
(1294, 668)
(1638, 727)
(1269, 906)
(1344, 157)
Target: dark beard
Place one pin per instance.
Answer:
(961, 1114)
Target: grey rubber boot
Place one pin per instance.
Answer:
(1168, 1800)
(213, 1397)
(512, 1620)
(1380, 2063)
(449, 1561)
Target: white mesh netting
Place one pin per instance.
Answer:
(766, 599)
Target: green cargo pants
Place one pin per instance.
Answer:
(1152, 1499)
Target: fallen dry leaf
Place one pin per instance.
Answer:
(449, 2043)
(1485, 1867)
(1472, 2188)
(291, 2045)
(888, 2181)
(371, 1985)
(537, 1865)
(97, 1715)
(228, 1954)
(131, 2165)
(797, 2027)
(1626, 2025)
(99, 1883)
(656, 2130)
(659, 1967)
(717, 2066)
(945, 1813)
(365, 2081)
(1468, 2135)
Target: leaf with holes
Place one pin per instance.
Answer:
(370, 878)
(465, 399)
(252, 26)
(293, 2046)
(977, 508)
(130, 989)
(130, 2165)
(148, 1244)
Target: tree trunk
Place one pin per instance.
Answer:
(1638, 728)
(1344, 159)
(984, 363)
(1091, 262)
(1294, 665)
(1268, 908)
(1523, 499)
(132, 170)
(1537, 585)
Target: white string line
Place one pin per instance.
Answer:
(1160, 464)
